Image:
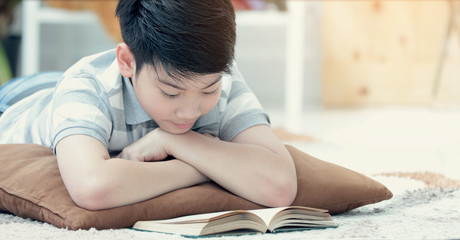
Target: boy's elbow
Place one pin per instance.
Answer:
(286, 196)
(282, 193)
(91, 195)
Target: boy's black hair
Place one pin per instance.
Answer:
(187, 37)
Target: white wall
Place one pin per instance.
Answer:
(261, 56)
(62, 44)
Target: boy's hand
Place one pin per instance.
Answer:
(151, 147)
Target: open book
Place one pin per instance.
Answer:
(242, 222)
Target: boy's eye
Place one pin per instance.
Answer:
(169, 95)
(212, 92)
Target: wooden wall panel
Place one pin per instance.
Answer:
(386, 52)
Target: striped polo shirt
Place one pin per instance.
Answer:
(94, 99)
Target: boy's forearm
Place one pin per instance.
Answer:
(250, 171)
(118, 182)
(145, 180)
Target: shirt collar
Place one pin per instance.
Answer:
(134, 113)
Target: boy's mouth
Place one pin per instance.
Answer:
(184, 126)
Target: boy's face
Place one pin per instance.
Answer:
(175, 105)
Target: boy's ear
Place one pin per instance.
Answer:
(126, 61)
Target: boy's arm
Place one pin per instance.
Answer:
(95, 181)
(255, 165)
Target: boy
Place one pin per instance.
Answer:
(171, 100)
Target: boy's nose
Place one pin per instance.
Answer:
(190, 110)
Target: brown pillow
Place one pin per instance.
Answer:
(31, 187)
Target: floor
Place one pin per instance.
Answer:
(383, 139)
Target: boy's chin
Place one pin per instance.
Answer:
(175, 131)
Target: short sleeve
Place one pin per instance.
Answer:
(79, 106)
(241, 110)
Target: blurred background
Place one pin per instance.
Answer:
(353, 53)
(353, 75)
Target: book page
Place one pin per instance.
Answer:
(267, 214)
(205, 217)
